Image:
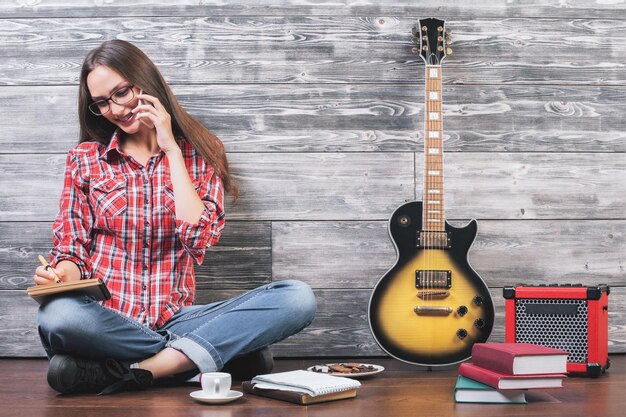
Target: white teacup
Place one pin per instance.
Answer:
(215, 384)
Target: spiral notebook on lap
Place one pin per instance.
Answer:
(302, 387)
(93, 287)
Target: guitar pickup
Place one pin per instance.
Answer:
(429, 239)
(432, 279)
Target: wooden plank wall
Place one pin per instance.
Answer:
(320, 107)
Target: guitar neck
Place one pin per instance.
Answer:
(433, 211)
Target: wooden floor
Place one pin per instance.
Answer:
(401, 390)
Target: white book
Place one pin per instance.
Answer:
(312, 383)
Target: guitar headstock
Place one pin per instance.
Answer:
(431, 36)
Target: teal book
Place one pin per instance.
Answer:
(467, 390)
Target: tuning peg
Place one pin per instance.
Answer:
(449, 51)
(415, 50)
(415, 31)
(415, 40)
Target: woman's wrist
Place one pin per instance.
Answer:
(174, 150)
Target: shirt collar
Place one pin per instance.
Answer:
(114, 144)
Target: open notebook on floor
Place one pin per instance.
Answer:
(302, 387)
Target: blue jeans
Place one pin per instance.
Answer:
(210, 335)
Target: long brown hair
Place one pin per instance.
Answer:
(134, 65)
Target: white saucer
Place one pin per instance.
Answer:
(212, 399)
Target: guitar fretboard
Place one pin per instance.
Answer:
(433, 212)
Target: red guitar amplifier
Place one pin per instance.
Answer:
(568, 317)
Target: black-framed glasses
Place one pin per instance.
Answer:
(121, 96)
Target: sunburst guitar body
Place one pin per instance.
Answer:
(431, 306)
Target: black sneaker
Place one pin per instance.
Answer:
(248, 366)
(70, 375)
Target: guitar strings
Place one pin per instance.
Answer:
(440, 214)
(427, 182)
(432, 162)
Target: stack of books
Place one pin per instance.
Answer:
(503, 372)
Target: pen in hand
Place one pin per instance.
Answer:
(49, 269)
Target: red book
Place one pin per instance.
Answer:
(503, 381)
(519, 358)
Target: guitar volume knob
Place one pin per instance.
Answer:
(461, 334)
(461, 311)
(478, 300)
(479, 323)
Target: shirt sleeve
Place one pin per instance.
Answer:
(71, 232)
(197, 237)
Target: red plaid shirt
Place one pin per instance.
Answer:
(117, 222)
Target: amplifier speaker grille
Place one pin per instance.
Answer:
(556, 323)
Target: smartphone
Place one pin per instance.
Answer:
(145, 122)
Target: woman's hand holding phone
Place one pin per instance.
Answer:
(145, 122)
(151, 112)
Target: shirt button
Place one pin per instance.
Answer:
(143, 287)
(143, 308)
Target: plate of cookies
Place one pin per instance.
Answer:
(347, 369)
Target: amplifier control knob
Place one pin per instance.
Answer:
(461, 334)
(461, 311)
(479, 323)
(479, 300)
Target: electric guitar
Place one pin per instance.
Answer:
(431, 306)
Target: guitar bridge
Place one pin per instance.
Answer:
(433, 279)
(433, 295)
(432, 311)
